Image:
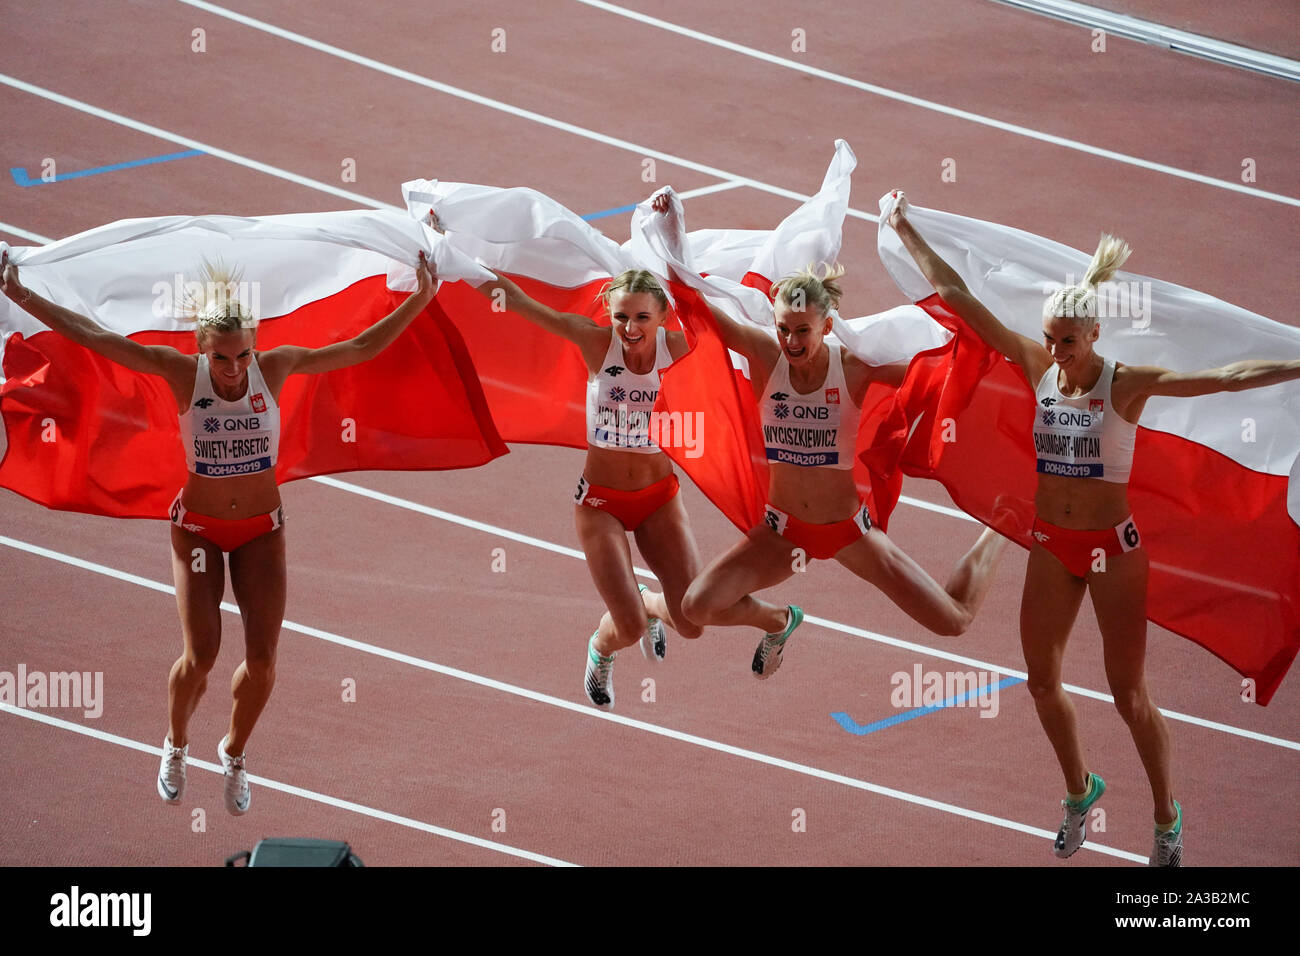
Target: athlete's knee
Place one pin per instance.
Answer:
(956, 622)
(686, 628)
(200, 656)
(1043, 689)
(1132, 703)
(696, 605)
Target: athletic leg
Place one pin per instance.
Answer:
(666, 543)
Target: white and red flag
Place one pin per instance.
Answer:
(80, 433)
(1214, 485)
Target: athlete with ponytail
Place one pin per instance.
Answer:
(810, 396)
(1084, 459)
(627, 483)
(230, 502)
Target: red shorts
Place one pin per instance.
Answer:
(629, 507)
(1077, 550)
(226, 535)
(820, 541)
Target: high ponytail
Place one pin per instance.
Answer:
(216, 306)
(1079, 302)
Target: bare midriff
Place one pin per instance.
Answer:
(625, 470)
(1083, 504)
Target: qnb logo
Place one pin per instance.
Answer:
(642, 395)
(242, 424)
(617, 394)
(614, 370)
(211, 425)
(203, 403)
(1066, 416)
(1049, 418)
(781, 410)
(811, 411)
(75, 908)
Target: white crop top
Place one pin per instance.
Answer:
(1082, 437)
(619, 401)
(817, 430)
(226, 439)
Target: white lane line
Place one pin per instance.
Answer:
(581, 709)
(15, 231)
(819, 621)
(937, 107)
(709, 190)
(312, 795)
(1146, 31)
(171, 137)
(503, 107)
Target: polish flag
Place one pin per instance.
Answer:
(734, 270)
(1214, 486)
(80, 433)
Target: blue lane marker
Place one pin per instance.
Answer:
(848, 723)
(608, 212)
(22, 179)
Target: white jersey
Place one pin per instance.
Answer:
(817, 430)
(1082, 437)
(619, 401)
(226, 439)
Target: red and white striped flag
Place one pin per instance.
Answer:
(80, 433)
(1214, 482)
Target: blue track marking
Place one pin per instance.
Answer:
(849, 724)
(22, 179)
(608, 212)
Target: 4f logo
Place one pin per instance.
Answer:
(594, 501)
(779, 396)
(259, 403)
(1049, 402)
(1042, 536)
(203, 403)
(614, 370)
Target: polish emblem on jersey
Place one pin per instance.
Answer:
(1094, 405)
(781, 411)
(1048, 402)
(614, 370)
(617, 394)
(1049, 418)
(203, 403)
(211, 424)
(259, 403)
(832, 396)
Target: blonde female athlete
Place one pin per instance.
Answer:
(230, 501)
(1085, 426)
(809, 396)
(627, 483)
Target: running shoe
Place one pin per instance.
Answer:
(238, 795)
(1168, 850)
(599, 679)
(654, 642)
(767, 656)
(1074, 829)
(171, 775)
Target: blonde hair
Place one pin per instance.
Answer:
(1079, 302)
(216, 307)
(632, 281)
(806, 287)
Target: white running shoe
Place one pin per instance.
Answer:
(1074, 828)
(599, 678)
(238, 796)
(654, 642)
(1168, 850)
(171, 775)
(767, 656)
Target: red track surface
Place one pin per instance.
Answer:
(574, 785)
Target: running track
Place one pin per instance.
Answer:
(468, 699)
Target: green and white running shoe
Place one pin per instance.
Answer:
(1168, 850)
(599, 678)
(767, 656)
(1074, 829)
(654, 642)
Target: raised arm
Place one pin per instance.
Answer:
(748, 340)
(159, 360)
(1024, 351)
(296, 360)
(1136, 383)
